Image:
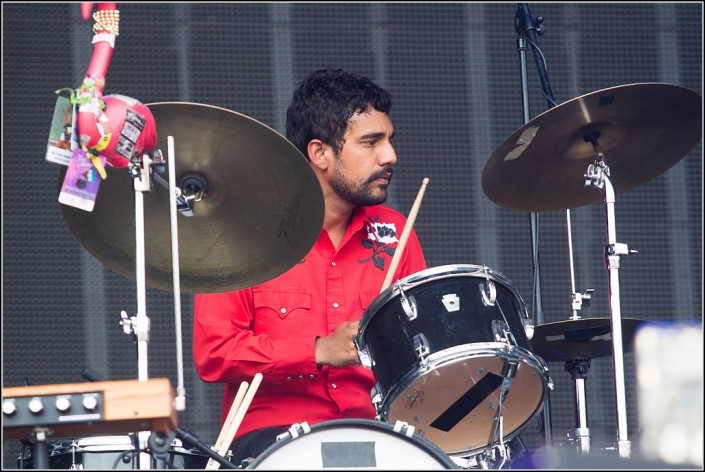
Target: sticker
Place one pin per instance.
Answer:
(62, 135)
(81, 183)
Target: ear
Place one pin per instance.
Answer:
(317, 153)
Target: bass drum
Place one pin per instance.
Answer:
(358, 444)
(443, 344)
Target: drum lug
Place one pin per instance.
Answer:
(362, 354)
(489, 293)
(376, 398)
(296, 430)
(422, 348)
(500, 330)
(402, 427)
(408, 305)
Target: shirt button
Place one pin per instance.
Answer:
(301, 377)
(334, 386)
(288, 379)
(333, 264)
(283, 310)
(313, 376)
(335, 305)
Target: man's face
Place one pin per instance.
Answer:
(363, 167)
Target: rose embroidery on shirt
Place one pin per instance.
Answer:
(379, 236)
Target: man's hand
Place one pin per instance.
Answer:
(338, 350)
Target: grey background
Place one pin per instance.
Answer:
(453, 70)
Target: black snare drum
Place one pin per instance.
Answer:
(442, 344)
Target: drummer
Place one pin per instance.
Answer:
(297, 329)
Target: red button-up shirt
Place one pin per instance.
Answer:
(271, 328)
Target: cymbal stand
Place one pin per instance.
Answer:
(140, 170)
(597, 176)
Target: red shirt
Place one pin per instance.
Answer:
(271, 328)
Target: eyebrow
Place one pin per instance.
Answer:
(375, 135)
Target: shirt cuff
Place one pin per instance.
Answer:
(295, 359)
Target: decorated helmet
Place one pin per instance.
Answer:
(125, 129)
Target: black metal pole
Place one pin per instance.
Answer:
(527, 29)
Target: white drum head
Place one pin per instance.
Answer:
(353, 444)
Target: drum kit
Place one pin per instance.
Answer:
(461, 368)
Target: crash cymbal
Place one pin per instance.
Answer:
(261, 212)
(585, 337)
(644, 129)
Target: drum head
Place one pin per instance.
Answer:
(455, 401)
(358, 444)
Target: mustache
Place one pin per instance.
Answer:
(383, 174)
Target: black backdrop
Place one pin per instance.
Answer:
(454, 72)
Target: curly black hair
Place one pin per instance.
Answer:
(324, 102)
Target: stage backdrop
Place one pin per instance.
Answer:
(455, 74)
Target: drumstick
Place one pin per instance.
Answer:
(229, 420)
(228, 439)
(404, 235)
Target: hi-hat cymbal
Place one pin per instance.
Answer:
(644, 129)
(261, 212)
(585, 337)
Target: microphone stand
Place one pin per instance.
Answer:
(527, 30)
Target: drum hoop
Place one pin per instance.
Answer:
(436, 273)
(509, 350)
(92, 444)
(416, 439)
(446, 356)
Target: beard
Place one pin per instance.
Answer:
(359, 193)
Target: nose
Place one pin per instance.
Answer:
(388, 156)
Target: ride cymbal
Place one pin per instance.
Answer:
(644, 129)
(260, 214)
(585, 337)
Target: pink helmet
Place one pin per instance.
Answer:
(127, 122)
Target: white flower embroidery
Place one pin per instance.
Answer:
(383, 233)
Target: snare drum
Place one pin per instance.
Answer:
(348, 443)
(114, 452)
(442, 344)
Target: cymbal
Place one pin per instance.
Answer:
(644, 129)
(585, 337)
(261, 211)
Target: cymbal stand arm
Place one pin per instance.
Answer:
(597, 176)
(180, 390)
(570, 259)
(577, 299)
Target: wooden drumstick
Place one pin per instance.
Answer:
(404, 235)
(232, 430)
(229, 421)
